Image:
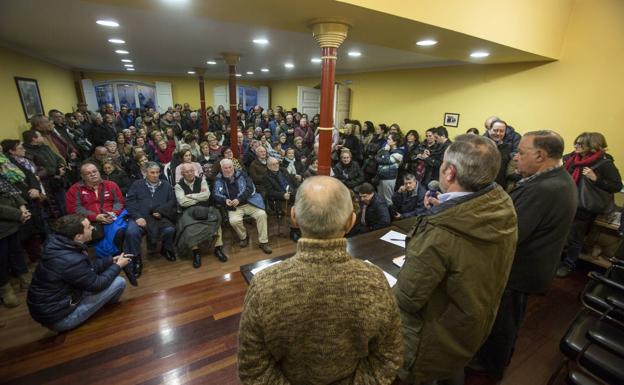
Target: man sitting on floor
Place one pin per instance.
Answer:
(237, 193)
(67, 288)
(374, 213)
(320, 317)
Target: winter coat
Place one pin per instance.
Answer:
(198, 224)
(141, 204)
(10, 213)
(409, 203)
(63, 274)
(458, 258)
(245, 186)
(388, 163)
(351, 175)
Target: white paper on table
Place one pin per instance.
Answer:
(395, 238)
(399, 261)
(391, 280)
(260, 268)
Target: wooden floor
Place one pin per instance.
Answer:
(180, 327)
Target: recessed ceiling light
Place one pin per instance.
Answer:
(249, 72)
(479, 54)
(108, 23)
(264, 69)
(354, 53)
(128, 65)
(129, 69)
(316, 60)
(238, 75)
(116, 41)
(126, 60)
(426, 43)
(190, 72)
(261, 41)
(122, 52)
(211, 62)
(289, 65)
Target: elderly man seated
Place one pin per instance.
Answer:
(151, 206)
(258, 168)
(199, 223)
(237, 193)
(408, 201)
(280, 188)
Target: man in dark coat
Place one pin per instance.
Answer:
(408, 200)
(280, 189)
(348, 171)
(545, 201)
(374, 213)
(151, 206)
(67, 288)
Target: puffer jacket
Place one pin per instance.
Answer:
(388, 163)
(457, 262)
(63, 274)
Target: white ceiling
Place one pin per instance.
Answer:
(164, 40)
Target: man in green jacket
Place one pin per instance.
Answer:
(458, 259)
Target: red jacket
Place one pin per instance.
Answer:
(82, 199)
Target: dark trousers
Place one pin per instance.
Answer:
(134, 234)
(11, 258)
(578, 230)
(495, 353)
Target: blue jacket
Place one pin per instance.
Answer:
(63, 274)
(409, 204)
(141, 204)
(106, 246)
(388, 163)
(246, 190)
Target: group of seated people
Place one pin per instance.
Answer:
(110, 178)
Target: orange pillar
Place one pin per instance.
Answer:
(202, 103)
(231, 59)
(329, 34)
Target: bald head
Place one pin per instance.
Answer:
(323, 208)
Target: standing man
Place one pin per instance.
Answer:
(320, 317)
(458, 258)
(545, 200)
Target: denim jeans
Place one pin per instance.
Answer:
(90, 303)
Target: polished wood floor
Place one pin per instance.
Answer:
(180, 327)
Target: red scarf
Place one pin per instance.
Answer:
(576, 162)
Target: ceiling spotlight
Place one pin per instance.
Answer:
(211, 62)
(122, 52)
(316, 60)
(354, 53)
(261, 41)
(107, 23)
(238, 75)
(190, 72)
(128, 65)
(479, 54)
(289, 65)
(129, 69)
(126, 60)
(264, 69)
(116, 41)
(426, 43)
(249, 72)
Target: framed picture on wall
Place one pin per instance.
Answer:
(30, 97)
(451, 119)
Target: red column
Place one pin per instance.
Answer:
(202, 102)
(233, 110)
(326, 126)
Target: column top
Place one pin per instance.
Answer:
(329, 32)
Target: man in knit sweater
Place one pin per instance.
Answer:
(320, 317)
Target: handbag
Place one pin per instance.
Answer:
(592, 198)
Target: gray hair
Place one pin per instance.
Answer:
(271, 159)
(149, 165)
(185, 146)
(322, 207)
(476, 159)
(226, 162)
(409, 177)
(110, 143)
(193, 114)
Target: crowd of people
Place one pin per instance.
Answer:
(107, 179)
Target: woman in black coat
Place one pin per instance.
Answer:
(111, 172)
(589, 160)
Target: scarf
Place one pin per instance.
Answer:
(576, 162)
(291, 166)
(7, 188)
(10, 171)
(26, 163)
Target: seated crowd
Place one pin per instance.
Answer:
(108, 179)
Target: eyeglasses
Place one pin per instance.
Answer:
(579, 144)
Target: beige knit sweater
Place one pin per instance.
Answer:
(320, 317)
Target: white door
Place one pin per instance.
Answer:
(220, 98)
(263, 97)
(342, 104)
(90, 97)
(308, 100)
(164, 97)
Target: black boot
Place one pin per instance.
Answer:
(196, 259)
(170, 255)
(218, 252)
(138, 266)
(129, 270)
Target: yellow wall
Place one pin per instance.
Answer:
(56, 86)
(582, 91)
(185, 89)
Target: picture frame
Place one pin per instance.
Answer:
(30, 97)
(451, 119)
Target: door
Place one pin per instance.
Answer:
(220, 98)
(164, 97)
(90, 97)
(342, 104)
(263, 97)
(308, 100)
